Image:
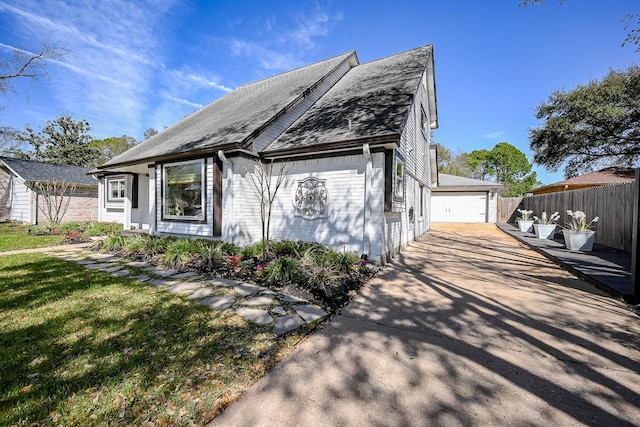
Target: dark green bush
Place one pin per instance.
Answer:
(179, 252)
(113, 243)
(282, 270)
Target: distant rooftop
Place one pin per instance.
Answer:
(445, 180)
(606, 176)
(32, 171)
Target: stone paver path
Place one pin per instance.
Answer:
(254, 303)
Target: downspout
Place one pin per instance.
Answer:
(367, 201)
(227, 210)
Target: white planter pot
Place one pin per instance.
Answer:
(545, 231)
(579, 240)
(526, 226)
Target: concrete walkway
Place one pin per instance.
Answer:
(466, 327)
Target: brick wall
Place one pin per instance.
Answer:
(83, 206)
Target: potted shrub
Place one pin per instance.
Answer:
(578, 236)
(545, 226)
(525, 222)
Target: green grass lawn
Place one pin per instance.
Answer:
(81, 347)
(16, 236)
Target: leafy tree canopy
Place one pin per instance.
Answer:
(149, 133)
(590, 127)
(63, 141)
(504, 163)
(108, 148)
(458, 164)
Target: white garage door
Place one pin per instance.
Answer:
(459, 207)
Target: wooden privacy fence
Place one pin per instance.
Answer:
(508, 208)
(612, 203)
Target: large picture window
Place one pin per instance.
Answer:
(115, 189)
(183, 190)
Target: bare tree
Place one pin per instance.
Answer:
(56, 197)
(263, 180)
(23, 64)
(8, 141)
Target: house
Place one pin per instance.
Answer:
(607, 176)
(21, 197)
(459, 199)
(353, 140)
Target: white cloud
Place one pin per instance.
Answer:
(493, 135)
(182, 101)
(280, 48)
(114, 57)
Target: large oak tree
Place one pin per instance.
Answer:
(590, 127)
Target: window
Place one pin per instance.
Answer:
(115, 189)
(421, 201)
(424, 126)
(393, 180)
(398, 191)
(183, 190)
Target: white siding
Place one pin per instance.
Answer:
(399, 230)
(140, 215)
(343, 226)
(21, 209)
(115, 212)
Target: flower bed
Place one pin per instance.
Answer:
(322, 275)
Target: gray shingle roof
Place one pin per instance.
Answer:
(32, 171)
(233, 118)
(445, 180)
(376, 96)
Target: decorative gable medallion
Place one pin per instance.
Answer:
(311, 198)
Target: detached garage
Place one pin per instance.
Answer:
(459, 199)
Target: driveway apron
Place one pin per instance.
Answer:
(466, 327)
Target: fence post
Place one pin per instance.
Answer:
(635, 242)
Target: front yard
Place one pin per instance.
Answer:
(82, 347)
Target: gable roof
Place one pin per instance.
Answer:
(611, 175)
(31, 171)
(459, 183)
(371, 101)
(235, 118)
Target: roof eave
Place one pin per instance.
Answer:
(393, 139)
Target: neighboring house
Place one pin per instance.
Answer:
(21, 201)
(353, 137)
(459, 199)
(607, 176)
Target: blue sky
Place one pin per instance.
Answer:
(133, 65)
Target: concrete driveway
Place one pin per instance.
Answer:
(466, 327)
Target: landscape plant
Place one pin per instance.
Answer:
(547, 220)
(525, 214)
(578, 221)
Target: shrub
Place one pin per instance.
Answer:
(252, 251)
(346, 262)
(103, 228)
(113, 243)
(155, 246)
(283, 270)
(180, 252)
(135, 246)
(213, 254)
